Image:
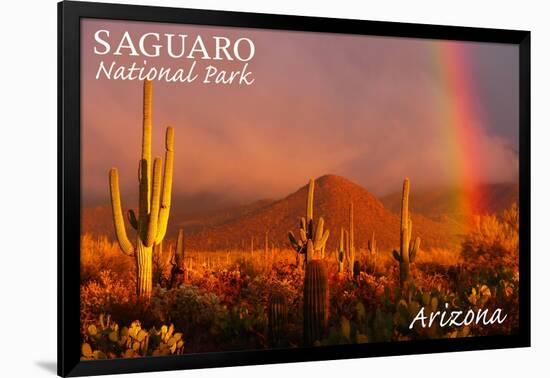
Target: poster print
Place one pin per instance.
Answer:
(247, 189)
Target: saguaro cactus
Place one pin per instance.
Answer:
(318, 236)
(155, 191)
(407, 250)
(350, 247)
(356, 269)
(371, 245)
(277, 318)
(178, 273)
(373, 252)
(341, 253)
(316, 302)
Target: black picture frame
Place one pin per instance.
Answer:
(69, 15)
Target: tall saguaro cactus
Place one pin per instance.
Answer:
(341, 252)
(373, 252)
(179, 272)
(312, 240)
(407, 250)
(155, 191)
(350, 242)
(371, 245)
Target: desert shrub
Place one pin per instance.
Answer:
(494, 242)
(198, 314)
(223, 303)
(162, 263)
(248, 267)
(186, 307)
(99, 254)
(437, 256)
(110, 295)
(237, 319)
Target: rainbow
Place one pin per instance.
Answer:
(459, 119)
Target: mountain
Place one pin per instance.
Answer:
(234, 226)
(97, 220)
(198, 221)
(438, 203)
(333, 195)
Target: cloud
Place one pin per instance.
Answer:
(361, 107)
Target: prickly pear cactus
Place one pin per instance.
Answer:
(316, 302)
(105, 339)
(166, 341)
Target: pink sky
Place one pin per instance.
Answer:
(361, 107)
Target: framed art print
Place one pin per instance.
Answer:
(241, 188)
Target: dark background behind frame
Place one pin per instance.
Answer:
(69, 14)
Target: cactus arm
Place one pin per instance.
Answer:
(396, 255)
(155, 204)
(303, 230)
(409, 231)
(309, 251)
(351, 228)
(293, 241)
(132, 219)
(319, 231)
(179, 249)
(341, 239)
(340, 251)
(320, 244)
(147, 126)
(173, 257)
(405, 204)
(303, 235)
(311, 189)
(371, 245)
(347, 254)
(118, 219)
(298, 244)
(414, 248)
(166, 199)
(143, 198)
